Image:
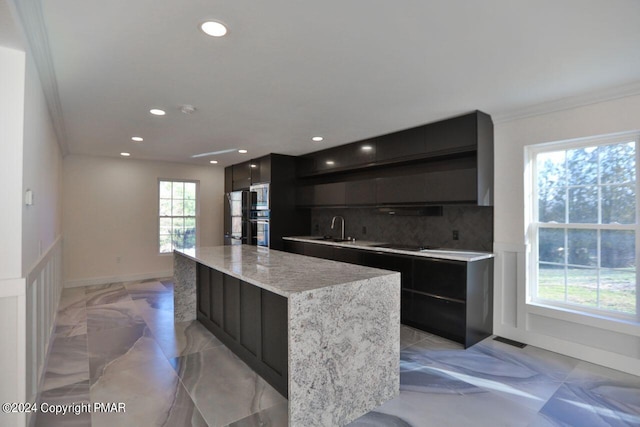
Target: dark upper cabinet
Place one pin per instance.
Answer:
(452, 135)
(362, 192)
(241, 176)
(332, 194)
(344, 157)
(450, 161)
(228, 179)
(405, 144)
(260, 170)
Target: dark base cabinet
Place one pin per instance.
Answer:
(250, 321)
(452, 299)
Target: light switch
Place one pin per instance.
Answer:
(28, 198)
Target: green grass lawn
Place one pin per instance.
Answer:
(617, 288)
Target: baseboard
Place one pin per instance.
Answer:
(597, 356)
(117, 279)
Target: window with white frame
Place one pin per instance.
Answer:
(583, 226)
(177, 214)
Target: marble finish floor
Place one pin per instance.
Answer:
(119, 343)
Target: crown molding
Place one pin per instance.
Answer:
(32, 24)
(568, 103)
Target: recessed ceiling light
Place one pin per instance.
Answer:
(157, 112)
(137, 138)
(367, 147)
(253, 166)
(214, 29)
(213, 162)
(330, 162)
(242, 151)
(317, 138)
(125, 154)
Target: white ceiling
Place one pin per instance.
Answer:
(346, 70)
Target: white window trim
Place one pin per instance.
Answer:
(197, 182)
(600, 318)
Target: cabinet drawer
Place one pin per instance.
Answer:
(385, 261)
(441, 278)
(440, 316)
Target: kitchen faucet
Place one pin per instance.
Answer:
(333, 223)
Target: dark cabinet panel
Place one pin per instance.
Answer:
(318, 251)
(241, 176)
(457, 185)
(231, 318)
(250, 321)
(386, 261)
(332, 194)
(360, 192)
(351, 256)
(261, 170)
(294, 247)
(452, 135)
(359, 154)
(441, 277)
(274, 332)
(204, 289)
(443, 317)
(400, 145)
(401, 189)
(250, 317)
(228, 179)
(217, 297)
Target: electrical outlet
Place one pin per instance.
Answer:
(456, 235)
(317, 228)
(364, 229)
(118, 259)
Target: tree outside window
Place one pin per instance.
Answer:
(584, 226)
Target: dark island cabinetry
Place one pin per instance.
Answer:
(453, 299)
(249, 320)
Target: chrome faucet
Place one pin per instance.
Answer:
(333, 223)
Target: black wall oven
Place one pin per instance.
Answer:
(259, 215)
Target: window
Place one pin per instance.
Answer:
(583, 225)
(178, 214)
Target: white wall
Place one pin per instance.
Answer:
(30, 261)
(597, 340)
(110, 210)
(12, 75)
(42, 174)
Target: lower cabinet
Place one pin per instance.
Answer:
(453, 299)
(250, 321)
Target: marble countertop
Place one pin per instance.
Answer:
(282, 273)
(450, 254)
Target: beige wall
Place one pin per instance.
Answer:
(110, 211)
(601, 341)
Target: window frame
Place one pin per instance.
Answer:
(532, 225)
(159, 217)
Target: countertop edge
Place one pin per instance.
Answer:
(452, 257)
(276, 290)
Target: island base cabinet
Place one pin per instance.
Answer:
(250, 321)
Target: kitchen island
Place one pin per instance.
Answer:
(323, 333)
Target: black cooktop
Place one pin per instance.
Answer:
(402, 247)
